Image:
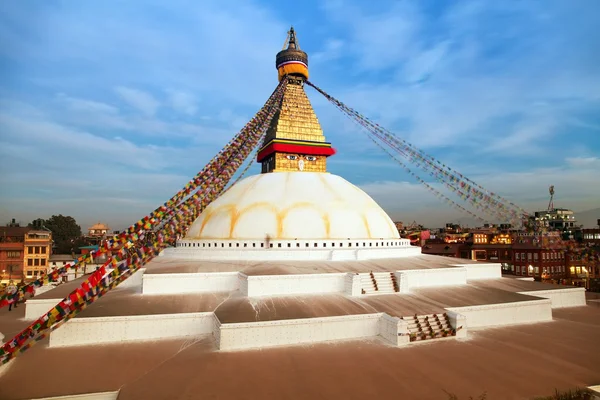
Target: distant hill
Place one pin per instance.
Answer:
(588, 218)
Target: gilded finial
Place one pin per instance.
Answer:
(292, 60)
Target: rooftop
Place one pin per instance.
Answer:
(547, 356)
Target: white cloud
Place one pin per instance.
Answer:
(584, 162)
(141, 100)
(529, 190)
(183, 102)
(77, 104)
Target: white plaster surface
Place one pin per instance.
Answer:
(293, 250)
(85, 396)
(483, 271)
(520, 312)
(394, 330)
(297, 331)
(86, 331)
(278, 205)
(134, 280)
(197, 282)
(34, 308)
(561, 298)
(459, 322)
(277, 285)
(435, 277)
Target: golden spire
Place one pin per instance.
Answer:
(292, 61)
(295, 140)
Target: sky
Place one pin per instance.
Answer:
(108, 108)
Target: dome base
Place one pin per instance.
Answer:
(293, 250)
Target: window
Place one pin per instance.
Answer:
(529, 256)
(29, 273)
(36, 262)
(535, 256)
(43, 262)
(13, 254)
(44, 250)
(518, 256)
(30, 262)
(37, 249)
(30, 250)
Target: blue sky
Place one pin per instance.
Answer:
(107, 108)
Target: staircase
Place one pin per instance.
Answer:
(368, 284)
(432, 326)
(378, 283)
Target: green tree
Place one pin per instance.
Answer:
(65, 231)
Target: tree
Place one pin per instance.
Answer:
(65, 231)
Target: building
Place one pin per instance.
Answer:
(12, 249)
(559, 219)
(541, 263)
(36, 259)
(286, 262)
(591, 235)
(97, 232)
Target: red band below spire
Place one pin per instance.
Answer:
(295, 149)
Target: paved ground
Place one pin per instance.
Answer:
(508, 363)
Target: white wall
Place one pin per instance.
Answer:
(86, 396)
(297, 331)
(352, 284)
(459, 322)
(394, 330)
(134, 280)
(561, 298)
(281, 285)
(520, 312)
(483, 271)
(35, 308)
(313, 250)
(197, 282)
(85, 331)
(420, 278)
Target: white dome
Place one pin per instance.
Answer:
(293, 205)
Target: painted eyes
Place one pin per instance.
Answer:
(294, 158)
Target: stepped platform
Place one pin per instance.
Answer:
(169, 265)
(351, 370)
(230, 306)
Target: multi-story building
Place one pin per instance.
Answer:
(12, 243)
(591, 235)
(560, 220)
(38, 244)
(541, 263)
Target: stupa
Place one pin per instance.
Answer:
(307, 268)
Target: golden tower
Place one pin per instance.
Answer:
(294, 140)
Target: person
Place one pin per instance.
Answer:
(11, 290)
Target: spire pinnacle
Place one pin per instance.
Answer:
(291, 41)
(291, 60)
